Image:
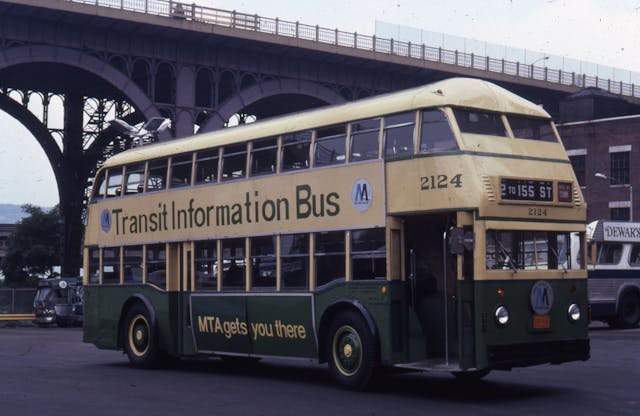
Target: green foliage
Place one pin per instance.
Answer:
(34, 248)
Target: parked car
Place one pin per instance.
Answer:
(59, 301)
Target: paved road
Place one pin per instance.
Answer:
(51, 372)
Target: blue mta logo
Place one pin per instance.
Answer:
(362, 195)
(105, 220)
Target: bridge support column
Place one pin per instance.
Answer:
(72, 183)
(185, 100)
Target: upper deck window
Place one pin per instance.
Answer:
(207, 166)
(364, 139)
(234, 162)
(295, 150)
(398, 134)
(532, 128)
(436, 134)
(479, 122)
(114, 182)
(181, 170)
(134, 179)
(330, 148)
(157, 177)
(264, 156)
(100, 186)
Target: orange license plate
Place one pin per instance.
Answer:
(541, 321)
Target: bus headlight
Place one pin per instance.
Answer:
(502, 315)
(573, 312)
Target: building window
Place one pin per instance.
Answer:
(619, 168)
(620, 214)
(578, 163)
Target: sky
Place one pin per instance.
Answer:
(600, 31)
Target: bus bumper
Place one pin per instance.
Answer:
(505, 357)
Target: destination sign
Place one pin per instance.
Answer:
(526, 190)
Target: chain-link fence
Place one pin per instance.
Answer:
(16, 301)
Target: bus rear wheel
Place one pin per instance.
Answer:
(140, 338)
(628, 311)
(352, 354)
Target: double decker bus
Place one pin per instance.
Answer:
(426, 229)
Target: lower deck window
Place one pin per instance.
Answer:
(233, 264)
(368, 254)
(263, 262)
(329, 257)
(157, 265)
(206, 261)
(132, 264)
(94, 265)
(111, 265)
(294, 260)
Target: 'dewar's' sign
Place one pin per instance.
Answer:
(314, 200)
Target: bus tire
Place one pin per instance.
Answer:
(628, 310)
(140, 337)
(352, 351)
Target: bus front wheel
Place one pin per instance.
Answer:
(352, 354)
(140, 337)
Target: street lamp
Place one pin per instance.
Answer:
(544, 58)
(626, 185)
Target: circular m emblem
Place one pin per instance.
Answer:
(105, 220)
(361, 195)
(541, 297)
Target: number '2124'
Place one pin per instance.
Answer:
(440, 182)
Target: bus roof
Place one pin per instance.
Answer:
(615, 231)
(459, 92)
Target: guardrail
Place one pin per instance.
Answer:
(275, 26)
(16, 304)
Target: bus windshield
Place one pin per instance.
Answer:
(529, 250)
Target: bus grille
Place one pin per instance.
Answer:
(533, 353)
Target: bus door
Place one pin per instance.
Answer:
(431, 274)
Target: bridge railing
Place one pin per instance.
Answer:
(275, 26)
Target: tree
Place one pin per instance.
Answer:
(34, 248)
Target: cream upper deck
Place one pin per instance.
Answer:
(458, 92)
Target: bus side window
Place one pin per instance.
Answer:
(264, 156)
(132, 264)
(157, 177)
(329, 256)
(294, 261)
(330, 146)
(206, 265)
(634, 258)
(114, 182)
(295, 150)
(364, 139)
(263, 262)
(94, 265)
(234, 162)
(111, 265)
(233, 264)
(207, 166)
(156, 266)
(134, 179)
(368, 254)
(610, 253)
(436, 134)
(181, 171)
(398, 135)
(100, 187)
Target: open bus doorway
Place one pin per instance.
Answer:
(431, 272)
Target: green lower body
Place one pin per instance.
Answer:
(413, 329)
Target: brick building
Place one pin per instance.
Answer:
(602, 136)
